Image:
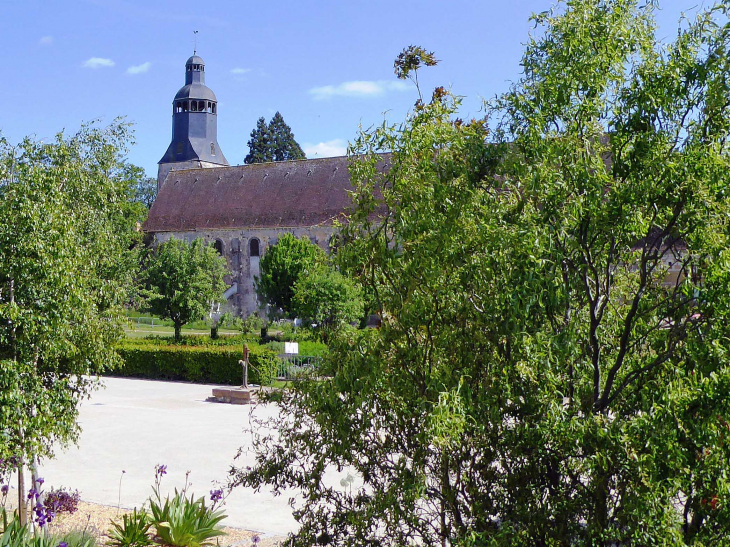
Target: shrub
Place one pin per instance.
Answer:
(306, 348)
(185, 522)
(61, 501)
(214, 364)
(133, 531)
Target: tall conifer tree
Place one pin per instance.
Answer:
(260, 149)
(282, 140)
(273, 142)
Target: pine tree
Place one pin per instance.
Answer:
(284, 146)
(260, 145)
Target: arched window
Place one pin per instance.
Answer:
(185, 106)
(218, 246)
(213, 108)
(201, 106)
(253, 247)
(212, 149)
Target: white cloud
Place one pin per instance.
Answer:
(239, 71)
(98, 62)
(359, 88)
(139, 69)
(335, 147)
(46, 40)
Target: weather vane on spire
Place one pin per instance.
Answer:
(195, 38)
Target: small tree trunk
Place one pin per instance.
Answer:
(178, 336)
(22, 515)
(444, 486)
(214, 332)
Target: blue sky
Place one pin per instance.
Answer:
(327, 66)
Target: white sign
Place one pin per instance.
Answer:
(291, 347)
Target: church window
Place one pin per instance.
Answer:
(193, 106)
(213, 108)
(212, 149)
(218, 246)
(201, 106)
(184, 106)
(179, 148)
(253, 247)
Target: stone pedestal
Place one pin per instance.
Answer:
(232, 395)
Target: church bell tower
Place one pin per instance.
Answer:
(194, 125)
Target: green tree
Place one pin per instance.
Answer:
(284, 147)
(260, 145)
(68, 257)
(184, 280)
(145, 188)
(326, 297)
(554, 283)
(273, 142)
(281, 267)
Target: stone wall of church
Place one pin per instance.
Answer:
(236, 246)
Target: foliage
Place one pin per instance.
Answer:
(273, 142)
(282, 265)
(74, 538)
(283, 145)
(144, 188)
(308, 348)
(133, 531)
(15, 534)
(184, 280)
(260, 145)
(183, 521)
(250, 324)
(212, 364)
(59, 500)
(408, 62)
(68, 259)
(327, 298)
(542, 376)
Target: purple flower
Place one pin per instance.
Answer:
(160, 469)
(32, 492)
(4, 489)
(216, 495)
(63, 544)
(255, 540)
(40, 480)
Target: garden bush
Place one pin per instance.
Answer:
(306, 348)
(159, 359)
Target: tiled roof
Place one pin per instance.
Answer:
(282, 194)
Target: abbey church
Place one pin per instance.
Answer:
(242, 209)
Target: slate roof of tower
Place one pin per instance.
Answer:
(264, 195)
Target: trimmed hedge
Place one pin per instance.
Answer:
(161, 360)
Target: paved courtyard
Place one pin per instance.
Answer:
(132, 425)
